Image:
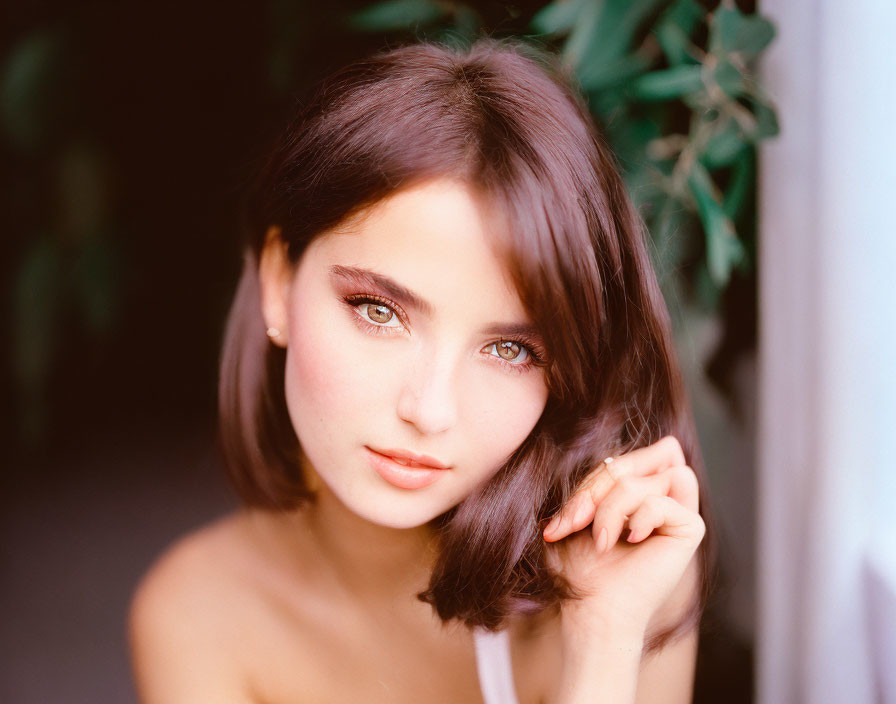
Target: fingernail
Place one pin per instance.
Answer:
(602, 540)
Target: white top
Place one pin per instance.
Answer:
(494, 666)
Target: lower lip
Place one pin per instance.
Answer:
(400, 475)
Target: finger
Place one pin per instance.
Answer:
(678, 483)
(649, 515)
(622, 501)
(579, 509)
(644, 461)
(684, 487)
(664, 453)
(665, 516)
(575, 515)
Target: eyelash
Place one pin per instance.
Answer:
(536, 356)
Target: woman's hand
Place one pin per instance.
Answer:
(656, 494)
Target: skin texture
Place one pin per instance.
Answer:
(430, 383)
(635, 586)
(319, 604)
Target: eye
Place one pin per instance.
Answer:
(374, 313)
(512, 351)
(378, 313)
(380, 316)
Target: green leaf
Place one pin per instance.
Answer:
(30, 89)
(607, 30)
(667, 84)
(598, 75)
(641, 182)
(675, 28)
(729, 78)
(630, 135)
(740, 183)
(684, 14)
(397, 14)
(709, 292)
(766, 120)
(732, 31)
(675, 44)
(723, 248)
(558, 17)
(576, 44)
(724, 146)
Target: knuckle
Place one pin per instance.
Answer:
(657, 503)
(591, 479)
(686, 473)
(638, 521)
(626, 484)
(649, 511)
(602, 512)
(577, 499)
(630, 489)
(674, 444)
(699, 527)
(620, 465)
(606, 512)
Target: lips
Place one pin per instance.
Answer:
(408, 463)
(402, 474)
(409, 458)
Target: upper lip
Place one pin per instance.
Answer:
(413, 456)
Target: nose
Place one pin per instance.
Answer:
(428, 397)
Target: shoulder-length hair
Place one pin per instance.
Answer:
(506, 118)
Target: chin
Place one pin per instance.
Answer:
(400, 518)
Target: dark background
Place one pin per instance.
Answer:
(111, 450)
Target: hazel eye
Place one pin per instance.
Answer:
(374, 312)
(379, 313)
(512, 351)
(374, 315)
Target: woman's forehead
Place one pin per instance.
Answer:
(436, 241)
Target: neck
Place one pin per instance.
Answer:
(373, 564)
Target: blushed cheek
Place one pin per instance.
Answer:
(505, 419)
(331, 391)
(314, 386)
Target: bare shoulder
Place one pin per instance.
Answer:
(183, 637)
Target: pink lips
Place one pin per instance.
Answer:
(415, 476)
(411, 456)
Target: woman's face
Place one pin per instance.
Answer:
(437, 370)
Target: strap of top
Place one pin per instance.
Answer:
(494, 666)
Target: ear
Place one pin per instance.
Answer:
(274, 278)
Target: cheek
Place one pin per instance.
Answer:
(505, 414)
(328, 387)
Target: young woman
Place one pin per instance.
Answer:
(450, 402)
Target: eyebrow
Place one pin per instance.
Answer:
(408, 298)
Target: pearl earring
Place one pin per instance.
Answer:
(273, 332)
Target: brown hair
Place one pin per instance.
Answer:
(504, 117)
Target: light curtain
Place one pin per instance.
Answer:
(826, 542)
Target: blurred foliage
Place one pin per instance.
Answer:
(670, 82)
(672, 85)
(69, 268)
